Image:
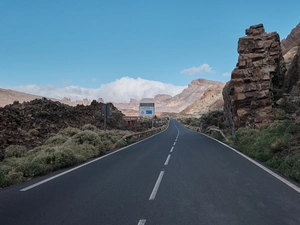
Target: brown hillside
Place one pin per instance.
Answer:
(31, 123)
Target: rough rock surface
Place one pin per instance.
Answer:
(31, 123)
(258, 76)
(291, 50)
(290, 101)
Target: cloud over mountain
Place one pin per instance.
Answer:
(120, 90)
(204, 68)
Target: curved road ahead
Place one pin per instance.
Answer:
(175, 177)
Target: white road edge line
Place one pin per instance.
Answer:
(172, 149)
(285, 181)
(142, 222)
(85, 164)
(156, 186)
(174, 143)
(167, 160)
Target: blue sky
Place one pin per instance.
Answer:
(82, 47)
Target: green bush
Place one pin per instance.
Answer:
(121, 144)
(30, 169)
(261, 144)
(89, 127)
(7, 179)
(218, 136)
(279, 114)
(56, 140)
(15, 151)
(86, 137)
(291, 167)
(33, 132)
(131, 140)
(69, 131)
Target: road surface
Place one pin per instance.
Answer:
(175, 177)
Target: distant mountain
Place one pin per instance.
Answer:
(163, 103)
(8, 96)
(176, 104)
(211, 100)
(291, 53)
(292, 40)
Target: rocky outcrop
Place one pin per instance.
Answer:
(257, 78)
(29, 124)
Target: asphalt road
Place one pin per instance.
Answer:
(176, 177)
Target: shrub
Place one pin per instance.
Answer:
(107, 145)
(15, 151)
(291, 167)
(33, 132)
(7, 179)
(69, 131)
(278, 145)
(56, 140)
(89, 127)
(279, 114)
(30, 169)
(121, 144)
(64, 159)
(86, 137)
(131, 140)
(218, 136)
(268, 143)
(14, 178)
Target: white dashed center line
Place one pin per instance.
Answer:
(156, 186)
(142, 222)
(172, 149)
(167, 160)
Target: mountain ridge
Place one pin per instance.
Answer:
(163, 103)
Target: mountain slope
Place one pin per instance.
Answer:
(212, 99)
(169, 104)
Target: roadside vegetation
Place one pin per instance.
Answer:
(276, 145)
(71, 146)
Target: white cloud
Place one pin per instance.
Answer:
(226, 74)
(121, 90)
(204, 68)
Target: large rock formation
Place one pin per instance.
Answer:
(257, 78)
